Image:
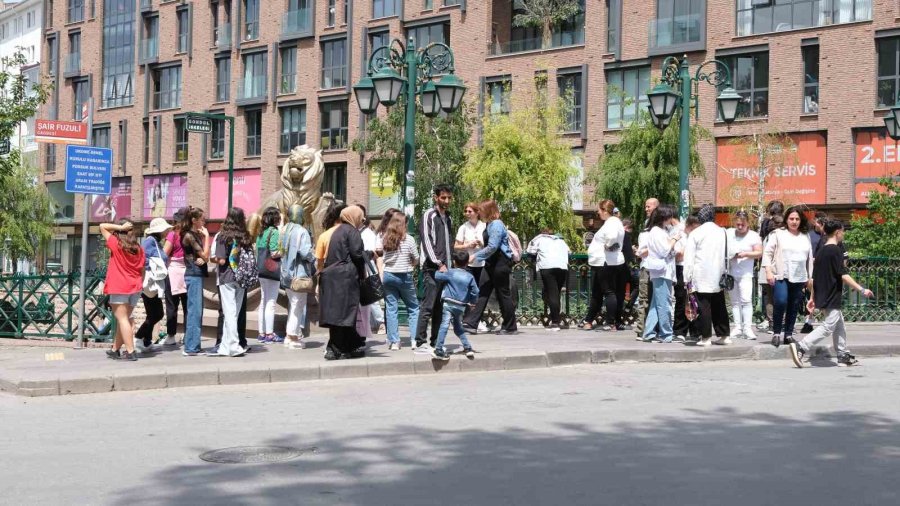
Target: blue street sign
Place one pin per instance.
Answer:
(88, 170)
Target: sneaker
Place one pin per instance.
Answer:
(382, 330)
(807, 328)
(472, 330)
(749, 334)
(423, 349)
(331, 355)
(299, 344)
(621, 327)
(797, 354)
(131, 357)
(482, 327)
(239, 353)
(777, 340)
(678, 339)
(214, 350)
(723, 341)
(649, 339)
(394, 347)
(113, 354)
(763, 325)
(736, 334)
(704, 342)
(553, 328)
(262, 339)
(357, 353)
(168, 341)
(186, 353)
(470, 353)
(274, 338)
(847, 360)
(440, 354)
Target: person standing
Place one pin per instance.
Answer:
(296, 263)
(460, 291)
(230, 242)
(644, 288)
(195, 243)
(682, 327)
(469, 239)
(176, 289)
(344, 268)
(435, 234)
(124, 280)
(829, 276)
(788, 261)
(704, 265)
(770, 222)
(498, 259)
(267, 252)
(552, 264)
(606, 259)
(153, 306)
(399, 258)
(746, 246)
(660, 266)
(370, 316)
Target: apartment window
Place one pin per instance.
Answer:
(426, 34)
(293, 127)
(626, 94)
(30, 21)
(167, 87)
(750, 78)
(385, 8)
(378, 39)
(810, 79)
(288, 69)
(613, 25)
(334, 118)
(569, 86)
(335, 180)
(253, 118)
(498, 92)
(52, 55)
(763, 16)
(73, 60)
(75, 11)
(217, 141)
(184, 30)
(888, 70)
(100, 137)
(428, 4)
(81, 90)
(254, 83)
(150, 44)
(331, 12)
(223, 79)
(118, 53)
(251, 25)
(145, 147)
(181, 140)
(334, 63)
(452, 2)
(50, 160)
(678, 22)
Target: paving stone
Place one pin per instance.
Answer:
(525, 361)
(304, 373)
(646, 355)
(243, 376)
(480, 363)
(874, 350)
(93, 385)
(729, 353)
(129, 382)
(354, 368)
(767, 352)
(601, 356)
(38, 392)
(390, 367)
(176, 379)
(423, 364)
(685, 354)
(555, 358)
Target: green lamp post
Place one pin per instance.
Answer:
(396, 68)
(678, 90)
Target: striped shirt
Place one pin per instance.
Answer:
(401, 260)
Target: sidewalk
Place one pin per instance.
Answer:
(43, 371)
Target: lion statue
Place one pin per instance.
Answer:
(301, 181)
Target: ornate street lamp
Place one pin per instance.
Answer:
(890, 123)
(366, 97)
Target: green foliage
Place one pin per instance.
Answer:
(525, 166)
(644, 164)
(546, 13)
(878, 234)
(440, 152)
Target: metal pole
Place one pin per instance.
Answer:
(79, 343)
(684, 141)
(409, 137)
(230, 120)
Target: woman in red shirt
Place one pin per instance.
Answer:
(124, 281)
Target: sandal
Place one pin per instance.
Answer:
(585, 326)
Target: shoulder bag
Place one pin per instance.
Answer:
(726, 282)
(371, 290)
(155, 274)
(300, 284)
(269, 268)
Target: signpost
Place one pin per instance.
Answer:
(61, 132)
(198, 124)
(88, 170)
(202, 122)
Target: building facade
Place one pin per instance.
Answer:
(822, 71)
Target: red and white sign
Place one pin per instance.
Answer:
(60, 132)
(876, 157)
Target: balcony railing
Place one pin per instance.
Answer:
(297, 22)
(253, 88)
(761, 19)
(561, 39)
(678, 32)
(150, 49)
(73, 63)
(223, 36)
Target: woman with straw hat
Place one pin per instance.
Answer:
(153, 304)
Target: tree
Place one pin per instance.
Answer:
(644, 164)
(526, 166)
(545, 14)
(440, 152)
(878, 233)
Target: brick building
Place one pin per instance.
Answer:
(826, 69)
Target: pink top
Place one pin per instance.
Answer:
(174, 239)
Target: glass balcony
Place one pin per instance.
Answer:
(150, 49)
(223, 36)
(73, 63)
(676, 32)
(297, 22)
(563, 38)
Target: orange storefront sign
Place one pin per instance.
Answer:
(794, 174)
(876, 157)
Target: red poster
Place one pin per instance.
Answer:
(876, 155)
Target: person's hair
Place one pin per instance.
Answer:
(489, 210)
(187, 222)
(254, 225)
(830, 226)
(442, 188)
(547, 230)
(660, 216)
(775, 207)
(692, 221)
(386, 220)
(128, 241)
(271, 217)
(627, 222)
(821, 217)
(741, 215)
(804, 223)
(460, 259)
(234, 228)
(474, 206)
(395, 232)
(607, 205)
(177, 217)
(334, 215)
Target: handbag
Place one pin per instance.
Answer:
(371, 290)
(306, 284)
(155, 274)
(268, 267)
(726, 282)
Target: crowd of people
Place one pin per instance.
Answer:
(678, 272)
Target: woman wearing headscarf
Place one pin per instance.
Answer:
(344, 267)
(296, 263)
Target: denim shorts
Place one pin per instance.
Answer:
(125, 298)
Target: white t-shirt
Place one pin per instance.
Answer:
(368, 239)
(795, 251)
(468, 232)
(742, 267)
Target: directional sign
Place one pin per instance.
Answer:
(88, 170)
(4, 147)
(60, 132)
(199, 124)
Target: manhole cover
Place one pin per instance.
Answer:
(254, 454)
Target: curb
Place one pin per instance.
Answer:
(233, 374)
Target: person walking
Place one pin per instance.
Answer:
(552, 263)
(269, 258)
(399, 258)
(829, 276)
(788, 261)
(344, 268)
(297, 263)
(176, 289)
(746, 246)
(644, 288)
(498, 258)
(195, 243)
(460, 291)
(231, 241)
(153, 304)
(606, 259)
(660, 266)
(124, 280)
(435, 234)
(704, 267)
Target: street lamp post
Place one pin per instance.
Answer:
(384, 83)
(678, 90)
(892, 122)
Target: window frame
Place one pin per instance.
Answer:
(810, 86)
(334, 180)
(894, 78)
(253, 137)
(81, 92)
(217, 140)
(75, 11)
(118, 58)
(573, 118)
(505, 85)
(223, 86)
(286, 113)
(183, 27)
(342, 130)
(250, 29)
(620, 101)
(821, 14)
(394, 8)
(695, 7)
(163, 75)
(753, 90)
(182, 140)
(328, 66)
(287, 77)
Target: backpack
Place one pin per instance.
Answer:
(243, 262)
(515, 246)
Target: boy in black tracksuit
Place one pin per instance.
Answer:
(435, 233)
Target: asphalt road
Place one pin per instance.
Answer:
(685, 434)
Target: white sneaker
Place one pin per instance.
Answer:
(299, 344)
(749, 334)
(736, 333)
(382, 330)
(703, 342)
(394, 347)
(482, 327)
(139, 346)
(168, 341)
(424, 349)
(723, 341)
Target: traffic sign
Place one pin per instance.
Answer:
(4, 147)
(60, 132)
(198, 124)
(88, 170)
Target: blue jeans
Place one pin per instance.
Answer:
(452, 312)
(400, 286)
(786, 297)
(659, 312)
(194, 319)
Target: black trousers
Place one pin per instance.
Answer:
(681, 326)
(604, 283)
(476, 273)
(172, 302)
(154, 308)
(713, 315)
(431, 308)
(497, 272)
(342, 340)
(553, 280)
(241, 321)
(623, 272)
(634, 281)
